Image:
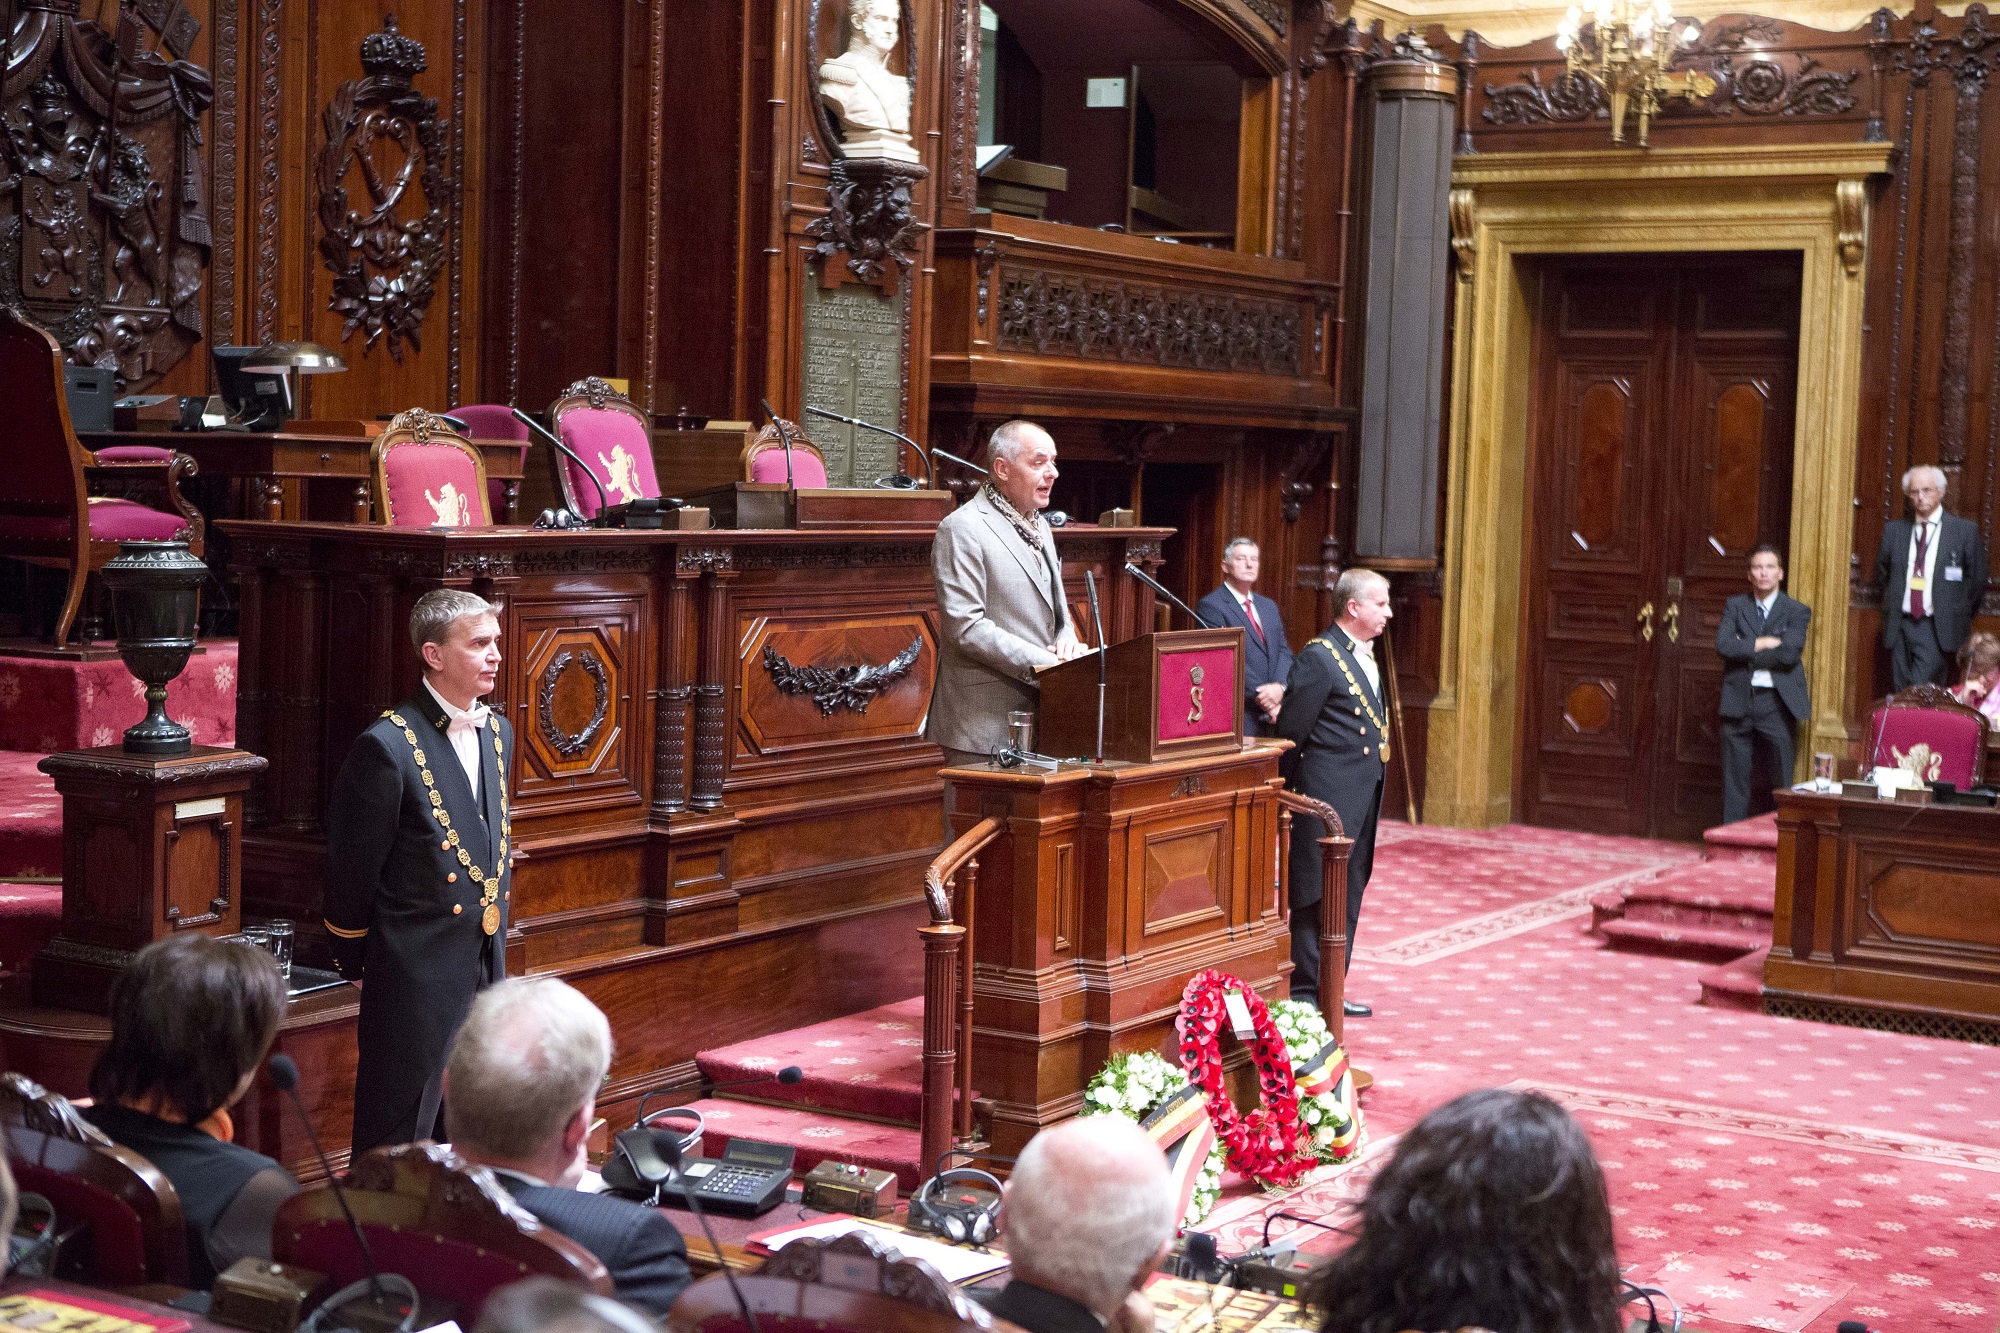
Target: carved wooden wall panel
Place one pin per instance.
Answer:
(829, 680)
(580, 736)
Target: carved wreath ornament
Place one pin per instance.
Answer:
(382, 193)
(834, 688)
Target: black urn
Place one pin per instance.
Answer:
(155, 603)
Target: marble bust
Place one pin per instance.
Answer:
(872, 103)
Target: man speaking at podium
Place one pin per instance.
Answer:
(1000, 599)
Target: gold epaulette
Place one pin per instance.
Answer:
(344, 934)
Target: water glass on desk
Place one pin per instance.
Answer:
(275, 938)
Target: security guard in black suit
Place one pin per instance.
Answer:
(417, 878)
(1761, 640)
(1333, 712)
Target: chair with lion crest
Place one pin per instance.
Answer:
(428, 476)
(609, 432)
(1926, 732)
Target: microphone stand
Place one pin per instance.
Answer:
(1160, 589)
(785, 439)
(1097, 624)
(930, 480)
(603, 500)
(966, 463)
(673, 1160)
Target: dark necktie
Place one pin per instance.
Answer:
(1917, 611)
(1763, 615)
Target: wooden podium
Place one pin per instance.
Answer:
(1107, 886)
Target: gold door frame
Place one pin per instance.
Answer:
(1812, 198)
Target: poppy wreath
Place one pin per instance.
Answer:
(1264, 1145)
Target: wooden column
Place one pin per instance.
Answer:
(711, 691)
(670, 707)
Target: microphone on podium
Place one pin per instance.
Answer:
(902, 481)
(784, 438)
(1160, 589)
(962, 462)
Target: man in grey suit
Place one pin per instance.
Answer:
(1932, 573)
(1001, 607)
(1764, 694)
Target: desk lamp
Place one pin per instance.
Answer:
(292, 359)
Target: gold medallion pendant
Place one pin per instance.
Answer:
(490, 920)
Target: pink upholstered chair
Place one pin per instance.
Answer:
(427, 476)
(47, 515)
(612, 435)
(489, 421)
(764, 458)
(1925, 730)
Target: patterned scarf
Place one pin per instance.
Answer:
(1020, 522)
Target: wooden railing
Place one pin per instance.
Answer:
(948, 992)
(1334, 849)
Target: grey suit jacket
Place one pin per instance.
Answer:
(998, 615)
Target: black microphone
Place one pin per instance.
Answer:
(1097, 624)
(784, 438)
(1056, 518)
(929, 478)
(1157, 587)
(603, 500)
(1265, 1243)
(656, 1159)
(285, 1076)
(962, 462)
(789, 1075)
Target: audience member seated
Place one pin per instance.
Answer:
(1087, 1217)
(520, 1091)
(191, 1020)
(1492, 1214)
(1981, 687)
(546, 1305)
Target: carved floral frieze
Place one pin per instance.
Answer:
(1052, 313)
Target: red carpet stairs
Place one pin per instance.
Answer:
(860, 1099)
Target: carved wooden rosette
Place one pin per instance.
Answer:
(104, 231)
(385, 147)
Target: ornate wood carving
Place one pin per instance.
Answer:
(1295, 485)
(227, 100)
(984, 258)
(105, 240)
(1135, 442)
(845, 687)
(870, 217)
(1273, 12)
(1565, 97)
(570, 744)
(1060, 314)
(386, 249)
(264, 311)
(1955, 364)
(455, 221)
(1465, 231)
(1753, 78)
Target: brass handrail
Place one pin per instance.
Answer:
(1334, 848)
(948, 978)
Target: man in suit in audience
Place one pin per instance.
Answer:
(1764, 696)
(1334, 713)
(417, 866)
(520, 1093)
(1267, 657)
(1001, 609)
(1088, 1213)
(1932, 572)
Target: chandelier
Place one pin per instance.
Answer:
(1624, 47)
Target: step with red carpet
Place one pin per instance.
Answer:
(870, 1063)
(1712, 909)
(1752, 839)
(817, 1136)
(1737, 985)
(30, 819)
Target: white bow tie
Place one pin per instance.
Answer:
(470, 721)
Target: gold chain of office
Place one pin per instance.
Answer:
(489, 884)
(1360, 696)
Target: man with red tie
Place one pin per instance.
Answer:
(1932, 572)
(1267, 658)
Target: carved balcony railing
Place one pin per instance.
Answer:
(948, 991)
(1031, 313)
(1334, 848)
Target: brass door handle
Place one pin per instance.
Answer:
(1646, 622)
(1673, 622)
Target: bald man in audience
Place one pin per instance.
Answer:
(1087, 1216)
(520, 1093)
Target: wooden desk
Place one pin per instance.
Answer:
(278, 469)
(1888, 916)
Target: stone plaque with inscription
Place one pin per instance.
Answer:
(854, 366)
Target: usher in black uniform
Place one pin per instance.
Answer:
(416, 902)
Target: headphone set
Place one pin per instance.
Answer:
(948, 1205)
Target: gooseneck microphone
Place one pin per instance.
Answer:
(784, 438)
(603, 501)
(789, 1075)
(1097, 623)
(381, 1304)
(929, 478)
(962, 462)
(1160, 589)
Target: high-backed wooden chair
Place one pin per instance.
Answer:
(493, 421)
(428, 476)
(609, 432)
(1926, 731)
(135, 1230)
(47, 514)
(850, 1284)
(764, 457)
(448, 1227)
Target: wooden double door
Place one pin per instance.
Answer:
(1661, 458)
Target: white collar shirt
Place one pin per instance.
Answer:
(1929, 564)
(1761, 679)
(462, 730)
(1364, 653)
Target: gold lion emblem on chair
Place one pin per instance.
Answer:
(621, 474)
(451, 509)
(1921, 761)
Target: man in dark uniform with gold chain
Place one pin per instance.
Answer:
(1333, 712)
(417, 878)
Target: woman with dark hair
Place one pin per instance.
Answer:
(191, 1019)
(1490, 1214)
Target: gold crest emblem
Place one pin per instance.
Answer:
(1195, 692)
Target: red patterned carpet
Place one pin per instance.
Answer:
(1771, 1173)
(48, 705)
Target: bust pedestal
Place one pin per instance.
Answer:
(152, 845)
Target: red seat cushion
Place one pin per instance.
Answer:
(135, 453)
(1935, 745)
(432, 484)
(110, 521)
(808, 473)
